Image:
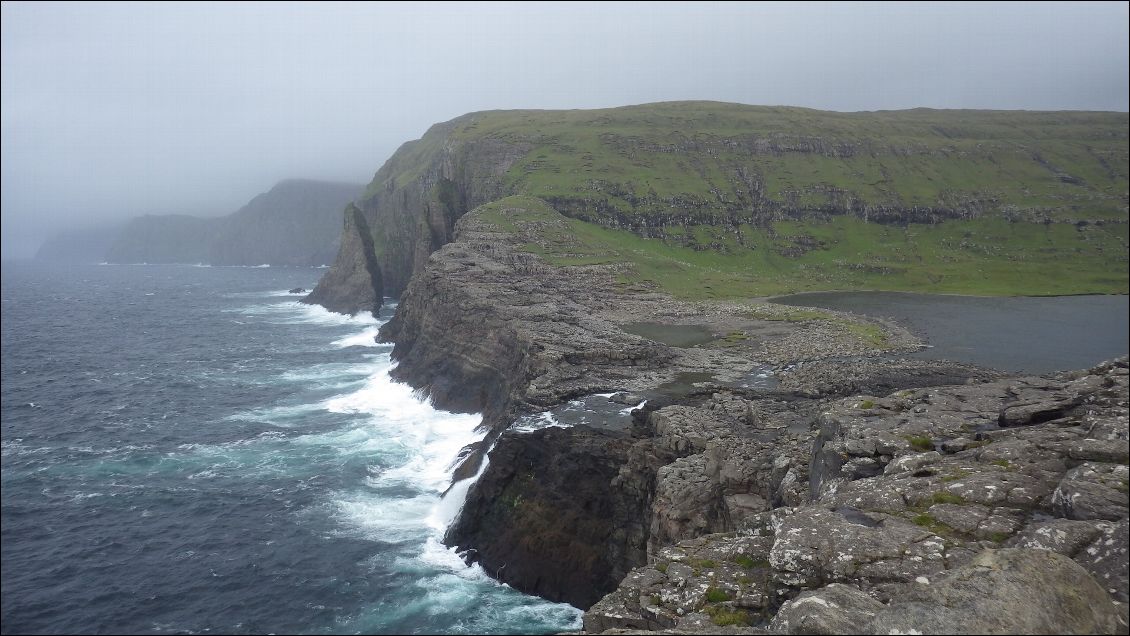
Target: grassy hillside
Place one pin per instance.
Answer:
(714, 199)
(982, 257)
(705, 157)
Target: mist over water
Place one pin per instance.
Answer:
(189, 449)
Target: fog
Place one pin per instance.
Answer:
(116, 110)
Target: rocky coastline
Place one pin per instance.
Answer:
(860, 491)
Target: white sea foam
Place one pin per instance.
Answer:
(445, 512)
(628, 410)
(409, 448)
(294, 312)
(531, 423)
(329, 372)
(367, 338)
(283, 416)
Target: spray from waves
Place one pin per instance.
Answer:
(367, 338)
(294, 312)
(408, 450)
(405, 504)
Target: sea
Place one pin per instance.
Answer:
(189, 449)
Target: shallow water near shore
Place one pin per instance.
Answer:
(189, 449)
(1017, 334)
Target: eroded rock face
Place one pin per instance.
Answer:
(833, 609)
(908, 536)
(1006, 591)
(411, 207)
(545, 521)
(354, 283)
(488, 327)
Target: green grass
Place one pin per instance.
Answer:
(723, 617)
(945, 497)
(749, 562)
(933, 525)
(920, 442)
(715, 595)
(867, 404)
(636, 159)
(1025, 259)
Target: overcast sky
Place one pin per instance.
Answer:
(116, 110)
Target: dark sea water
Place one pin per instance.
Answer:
(1023, 334)
(188, 449)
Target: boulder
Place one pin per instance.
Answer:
(1007, 591)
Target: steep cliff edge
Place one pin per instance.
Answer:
(355, 274)
(803, 484)
(982, 202)
(490, 326)
(538, 301)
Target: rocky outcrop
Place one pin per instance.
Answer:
(414, 201)
(1003, 592)
(912, 497)
(1006, 591)
(354, 283)
(488, 326)
(544, 521)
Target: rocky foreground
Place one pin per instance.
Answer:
(996, 507)
(859, 494)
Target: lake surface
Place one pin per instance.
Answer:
(190, 450)
(1021, 334)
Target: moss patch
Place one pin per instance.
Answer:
(920, 442)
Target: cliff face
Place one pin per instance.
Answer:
(298, 222)
(822, 198)
(414, 201)
(355, 275)
(488, 327)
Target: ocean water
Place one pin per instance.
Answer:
(190, 450)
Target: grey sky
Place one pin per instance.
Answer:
(115, 110)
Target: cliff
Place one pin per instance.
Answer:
(719, 505)
(545, 260)
(297, 222)
(951, 201)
